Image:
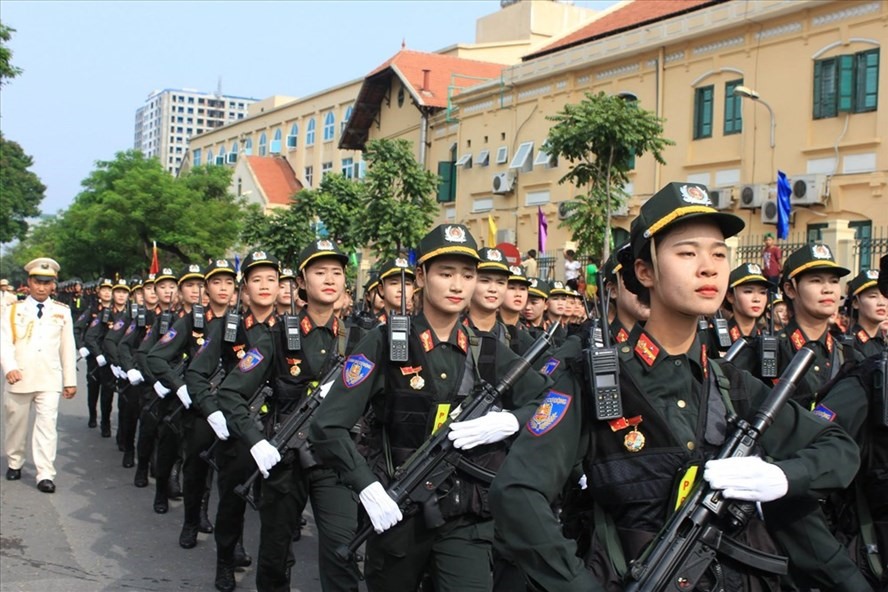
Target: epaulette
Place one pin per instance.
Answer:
(61, 304)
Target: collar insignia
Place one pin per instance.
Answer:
(798, 340)
(305, 325)
(426, 339)
(862, 336)
(462, 341)
(622, 335)
(647, 350)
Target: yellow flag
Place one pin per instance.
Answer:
(491, 232)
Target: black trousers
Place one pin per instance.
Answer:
(168, 441)
(130, 403)
(106, 394)
(93, 387)
(198, 436)
(235, 465)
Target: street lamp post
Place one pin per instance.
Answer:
(747, 93)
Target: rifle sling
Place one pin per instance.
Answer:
(744, 554)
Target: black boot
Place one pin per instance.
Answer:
(106, 429)
(205, 526)
(141, 478)
(92, 420)
(161, 503)
(188, 536)
(225, 577)
(174, 484)
(241, 557)
(297, 534)
(128, 459)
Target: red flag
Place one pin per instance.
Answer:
(155, 264)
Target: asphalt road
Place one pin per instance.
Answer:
(99, 532)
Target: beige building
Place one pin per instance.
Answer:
(814, 66)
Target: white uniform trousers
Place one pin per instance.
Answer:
(44, 440)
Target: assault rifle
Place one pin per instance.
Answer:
(687, 545)
(254, 406)
(293, 432)
(416, 481)
(151, 408)
(215, 380)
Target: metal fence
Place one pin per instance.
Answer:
(750, 248)
(869, 249)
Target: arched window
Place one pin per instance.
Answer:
(263, 144)
(248, 147)
(232, 155)
(276, 142)
(348, 114)
(221, 158)
(329, 126)
(310, 133)
(210, 157)
(293, 138)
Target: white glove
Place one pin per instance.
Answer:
(118, 372)
(134, 376)
(583, 482)
(100, 360)
(381, 508)
(217, 422)
(493, 427)
(265, 455)
(84, 353)
(747, 478)
(161, 390)
(182, 393)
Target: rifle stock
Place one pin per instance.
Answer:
(682, 551)
(418, 478)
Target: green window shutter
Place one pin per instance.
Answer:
(825, 88)
(703, 112)
(733, 110)
(818, 75)
(846, 83)
(447, 186)
(867, 84)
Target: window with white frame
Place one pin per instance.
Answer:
(309, 176)
(329, 126)
(484, 204)
(523, 159)
(502, 155)
(263, 144)
(545, 159)
(310, 133)
(483, 158)
(293, 138)
(465, 161)
(537, 198)
(276, 142)
(348, 168)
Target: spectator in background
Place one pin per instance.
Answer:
(571, 269)
(772, 260)
(530, 264)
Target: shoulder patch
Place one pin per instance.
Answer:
(203, 346)
(147, 334)
(83, 315)
(131, 328)
(167, 337)
(250, 360)
(94, 322)
(824, 412)
(550, 413)
(118, 325)
(356, 370)
(550, 366)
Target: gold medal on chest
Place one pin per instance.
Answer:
(417, 382)
(240, 354)
(634, 441)
(200, 341)
(295, 371)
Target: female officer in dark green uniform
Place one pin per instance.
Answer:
(870, 311)
(410, 401)
(674, 415)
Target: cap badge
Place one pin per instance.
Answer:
(325, 245)
(167, 271)
(287, 271)
(401, 262)
(258, 255)
(494, 255)
(753, 268)
(872, 274)
(194, 269)
(820, 252)
(695, 194)
(533, 283)
(515, 269)
(221, 263)
(557, 285)
(455, 234)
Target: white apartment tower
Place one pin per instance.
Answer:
(170, 117)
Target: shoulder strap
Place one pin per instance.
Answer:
(724, 386)
(12, 321)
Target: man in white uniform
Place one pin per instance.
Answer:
(37, 357)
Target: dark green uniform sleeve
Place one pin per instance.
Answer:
(527, 393)
(203, 366)
(95, 333)
(168, 352)
(814, 454)
(244, 380)
(342, 407)
(145, 346)
(128, 343)
(539, 463)
(80, 326)
(110, 345)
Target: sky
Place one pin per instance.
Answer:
(89, 65)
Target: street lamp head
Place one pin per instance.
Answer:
(746, 93)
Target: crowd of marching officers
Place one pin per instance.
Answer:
(208, 363)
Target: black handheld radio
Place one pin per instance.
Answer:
(399, 327)
(721, 330)
(603, 369)
(291, 324)
(768, 347)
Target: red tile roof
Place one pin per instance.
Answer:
(275, 177)
(444, 71)
(632, 15)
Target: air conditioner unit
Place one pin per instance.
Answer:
(808, 189)
(769, 211)
(565, 210)
(503, 183)
(722, 197)
(622, 211)
(753, 196)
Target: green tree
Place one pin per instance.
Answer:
(600, 137)
(129, 202)
(283, 231)
(7, 70)
(398, 202)
(21, 190)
